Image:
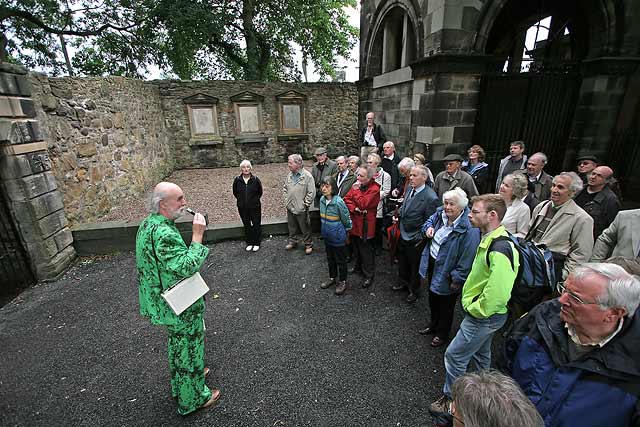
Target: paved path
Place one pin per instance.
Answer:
(283, 351)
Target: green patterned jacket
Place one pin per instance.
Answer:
(174, 262)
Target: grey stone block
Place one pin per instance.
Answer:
(25, 88)
(28, 108)
(51, 224)
(46, 204)
(7, 67)
(8, 84)
(30, 186)
(51, 269)
(446, 100)
(12, 167)
(63, 238)
(19, 131)
(468, 101)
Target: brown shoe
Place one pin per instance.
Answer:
(290, 246)
(215, 395)
(308, 250)
(438, 342)
(325, 285)
(341, 288)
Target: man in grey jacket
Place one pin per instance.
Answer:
(453, 177)
(299, 191)
(419, 204)
(515, 161)
(322, 168)
(620, 239)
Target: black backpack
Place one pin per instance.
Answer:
(536, 274)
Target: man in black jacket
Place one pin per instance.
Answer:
(598, 200)
(371, 138)
(390, 163)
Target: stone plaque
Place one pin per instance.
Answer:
(248, 118)
(203, 120)
(291, 117)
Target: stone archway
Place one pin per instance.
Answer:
(373, 45)
(604, 16)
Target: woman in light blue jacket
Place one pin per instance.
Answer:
(335, 224)
(446, 260)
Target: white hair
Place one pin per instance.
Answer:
(459, 195)
(623, 289)
(155, 199)
(406, 163)
(244, 163)
(389, 144)
(541, 156)
(296, 158)
(576, 182)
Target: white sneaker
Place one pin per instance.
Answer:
(248, 248)
(256, 248)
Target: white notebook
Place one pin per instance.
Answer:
(184, 293)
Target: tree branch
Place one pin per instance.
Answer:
(6, 13)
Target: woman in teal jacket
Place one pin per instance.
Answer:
(335, 223)
(446, 260)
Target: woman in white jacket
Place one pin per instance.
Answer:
(512, 190)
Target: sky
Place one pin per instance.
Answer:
(351, 64)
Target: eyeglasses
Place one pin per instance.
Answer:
(574, 298)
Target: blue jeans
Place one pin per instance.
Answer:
(471, 346)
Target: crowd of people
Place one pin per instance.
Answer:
(576, 350)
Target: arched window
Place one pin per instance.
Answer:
(394, 44)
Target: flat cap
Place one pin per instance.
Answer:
(319, 151)
(591, 157)
(452, 157)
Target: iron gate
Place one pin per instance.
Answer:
(15, 269)
(536, 108)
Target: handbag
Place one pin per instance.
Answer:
(184, 293)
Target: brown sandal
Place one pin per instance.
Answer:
(215, 395)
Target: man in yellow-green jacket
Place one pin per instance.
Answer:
(162, 259)
(485, 295)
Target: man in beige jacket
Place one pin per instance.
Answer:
(299, 192)
(563, 226)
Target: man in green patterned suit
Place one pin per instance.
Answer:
(162, 259)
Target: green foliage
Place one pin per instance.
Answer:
(233, 39)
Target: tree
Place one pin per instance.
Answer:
(240, 39)
(252, 39)
(32, 33)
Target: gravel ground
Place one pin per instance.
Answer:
(209, 191)
(283, 351)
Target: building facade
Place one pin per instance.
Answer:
(444, 74)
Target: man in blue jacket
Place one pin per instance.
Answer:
(578, 357)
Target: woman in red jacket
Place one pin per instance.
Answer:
(362, 201)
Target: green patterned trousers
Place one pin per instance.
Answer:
(186, 362)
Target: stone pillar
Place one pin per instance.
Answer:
(25, 173)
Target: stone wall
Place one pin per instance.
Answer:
(106, 140)
(330, 120)
(32, 193)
